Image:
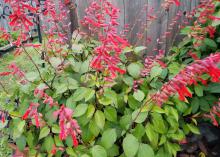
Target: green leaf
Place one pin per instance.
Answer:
(110, 114)
(157, 109)
(100, 119)
(72, 84)
(163, 153)
(173, 112)
(213, 88)
(130, 145)
(89, 94)
(105, 101)
(58, 142)
(163, 139)
(55, 61)
(79, 94)
(80, 110)
(139, 95)
(90, 111)
(127, 49)
(125, 121)
(134, 70)
(85, 155)
(152, 135)
(132, 102)
(48, 143)
(113, 151)
(204, 105)
(108, 138)
(71, 152)
(31, 76)
(186, 30)
(128, 80)
(99, 151)
(140, 117)
(210, 43)
(20, 126)
(158, 123)
(44, 132)
(84, 66)
(77, 48)
(145, 150)
(61, 88)
(155, 71)
(30, 139)
(139, 131)
(193, 128)
(55, 129)
(21, 143)
(174, 68)
(198, 90)
(93, 127)
(172, 148)
(139, 49)
(112, 95)
(87, 135)
(195, 104)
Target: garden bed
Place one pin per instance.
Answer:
(93, 95)
(5, 48)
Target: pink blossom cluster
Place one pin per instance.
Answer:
(68, 126)
(150, 61)
(31, 112)
(15, 71)
(46, 98)
(215, 111)
(101, 18)
(191, 74)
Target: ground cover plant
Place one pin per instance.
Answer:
(97, 97)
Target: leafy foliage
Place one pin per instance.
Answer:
(116, 117)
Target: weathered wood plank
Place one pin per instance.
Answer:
(136, 14)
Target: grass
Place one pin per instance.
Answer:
(21, 61)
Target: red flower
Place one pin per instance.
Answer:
(32, 113)
(18, 17)
(215, 111)
(188, 76)
(150, 62)
(183, 93)
(211, 30)
(47, 99)
(75, 141)
(214, 72)
(104, 16)
(15, 70)
(68, 126)
(177, 2)
(2, 116)
(193, 55)
(5, 73)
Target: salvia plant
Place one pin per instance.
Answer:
(93, 95)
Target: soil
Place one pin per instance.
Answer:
(208, 143)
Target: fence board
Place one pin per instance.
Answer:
(135, 13)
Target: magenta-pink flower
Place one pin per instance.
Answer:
(101, 19)
(189, 75)
(68, 125)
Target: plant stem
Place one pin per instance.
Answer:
(139, 112)
(38, 70)
(3, 87)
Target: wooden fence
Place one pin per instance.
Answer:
(137, 14)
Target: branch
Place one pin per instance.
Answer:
(38, 70)
(3, 87)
